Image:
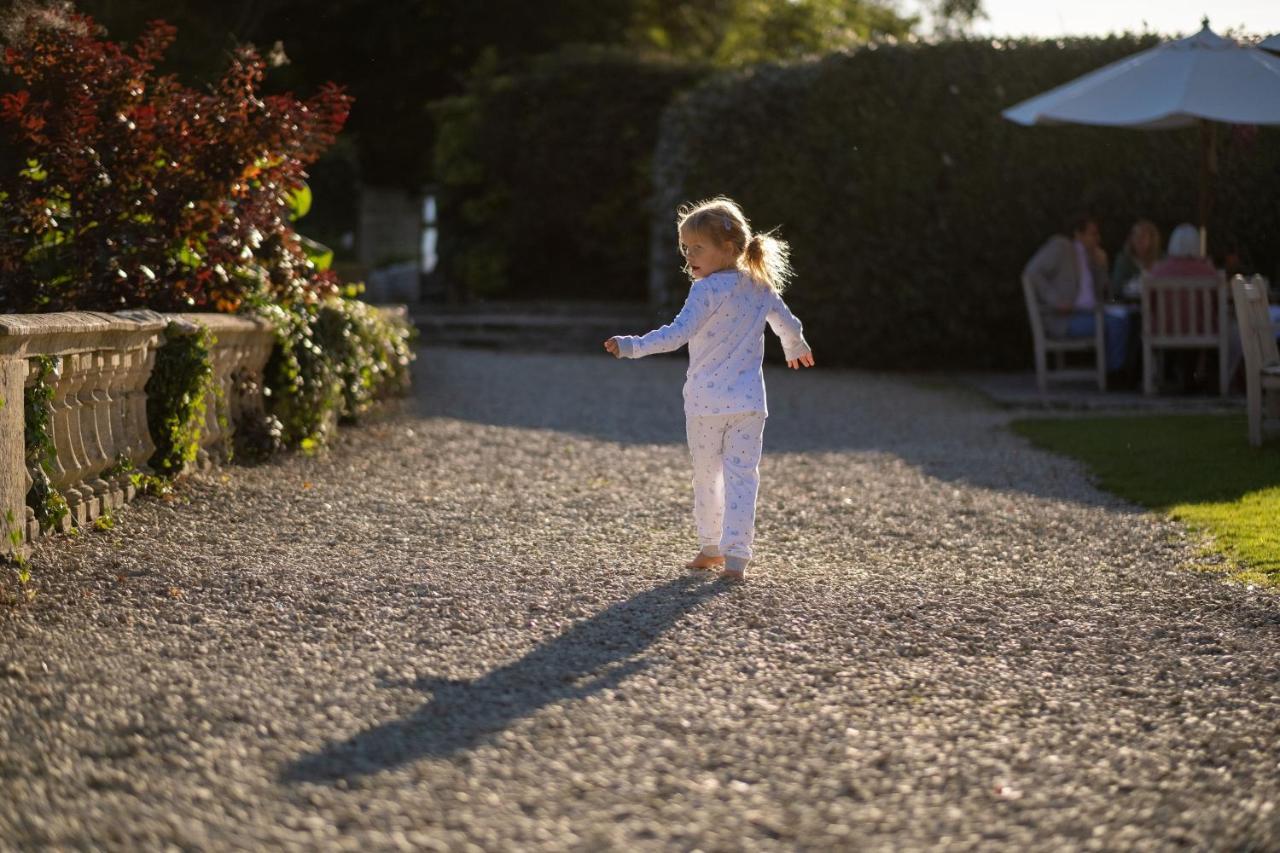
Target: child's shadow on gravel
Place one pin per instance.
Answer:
(593, 655)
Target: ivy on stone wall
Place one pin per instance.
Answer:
(180, 383)
(45, 500)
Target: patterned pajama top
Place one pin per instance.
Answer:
(723, 322)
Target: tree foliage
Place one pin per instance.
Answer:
(741, 32)
(396, 56)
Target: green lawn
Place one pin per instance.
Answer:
(1199, 469)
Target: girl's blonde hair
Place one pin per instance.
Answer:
(765, 257)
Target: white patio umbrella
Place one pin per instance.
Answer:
(1200, 79)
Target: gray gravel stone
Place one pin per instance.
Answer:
(467, 628)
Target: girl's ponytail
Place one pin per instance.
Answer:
(768, 260)
(763, 256)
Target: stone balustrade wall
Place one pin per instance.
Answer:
(99, 407)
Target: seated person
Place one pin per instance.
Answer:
(1139, 252)
(1184, 260)
(1184, 255)
(1069, 275)
(1185, 370)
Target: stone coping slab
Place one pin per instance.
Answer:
(61, 333)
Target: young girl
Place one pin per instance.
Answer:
(737, 277)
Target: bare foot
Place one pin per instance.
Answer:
(734, 575)
(702, 561)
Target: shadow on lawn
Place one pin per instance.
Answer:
(593, 655)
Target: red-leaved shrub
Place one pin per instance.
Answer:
(120, 187)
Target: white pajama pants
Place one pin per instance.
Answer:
(726, 477)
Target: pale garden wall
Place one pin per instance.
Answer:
(99, 407)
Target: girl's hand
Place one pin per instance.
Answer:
(611, 347)
(806, 360)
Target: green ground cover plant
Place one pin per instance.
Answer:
(1198, 469)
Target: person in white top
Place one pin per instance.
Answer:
(737, 279)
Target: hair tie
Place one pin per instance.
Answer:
(727, 226)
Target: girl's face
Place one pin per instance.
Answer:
(703, 256)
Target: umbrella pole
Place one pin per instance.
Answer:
(1208, 154)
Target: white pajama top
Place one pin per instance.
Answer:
(723, 322)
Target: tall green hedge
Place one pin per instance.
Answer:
(544, 177)
(911, 205)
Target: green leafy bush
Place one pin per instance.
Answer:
(371, 350)
(545, 176)
(912, 205)
(301, 383)
(333, 359)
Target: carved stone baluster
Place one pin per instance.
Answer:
(82, 437)
(238, 401)
(71, 460)
(110, 428)
(80, 424)
(234, 359)
(96, 425)
(142, 446)
(134, 372)
(254, 354)
(117, 374)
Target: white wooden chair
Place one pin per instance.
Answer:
(1261, 359)
(1061, 346)
(1183, 312)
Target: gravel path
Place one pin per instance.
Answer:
(467, 628)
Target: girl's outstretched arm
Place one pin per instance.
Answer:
(789, 330)
(697, 308)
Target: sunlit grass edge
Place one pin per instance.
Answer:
(1198, 469)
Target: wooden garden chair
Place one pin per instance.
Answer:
(1261, 360)
(1061, 346)
(1183, 312)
